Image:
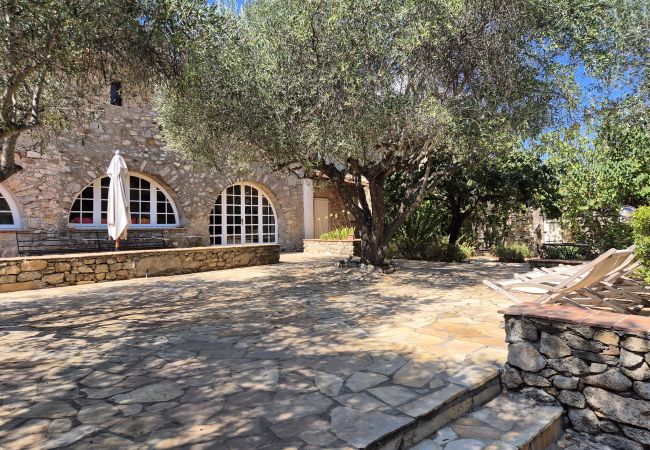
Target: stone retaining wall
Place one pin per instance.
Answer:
(343, 248)
(596, 364)
(18, 274)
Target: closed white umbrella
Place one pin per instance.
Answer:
(118, 213)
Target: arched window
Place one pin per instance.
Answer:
(9, 218)
(150, 204)
(242, 214)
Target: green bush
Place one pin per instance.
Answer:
(641, 232)
(424, 226)
(434, 250)
(515, 252)
(461, 252)
(340, 234)
(567, 252)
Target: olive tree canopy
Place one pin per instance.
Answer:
(55, 54)
(360, 90)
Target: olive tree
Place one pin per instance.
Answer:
(356, 91)
(55, 54)
(498, 185)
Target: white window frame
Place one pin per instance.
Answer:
(97, 205)
(13, 208)
(260, 214)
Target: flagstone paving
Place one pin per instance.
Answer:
(508, 422)
(294, 355)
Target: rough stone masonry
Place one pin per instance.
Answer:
(599, 374)
(20, 274)
(54, 175)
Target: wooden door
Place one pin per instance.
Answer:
(321, 216)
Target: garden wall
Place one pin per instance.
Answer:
(596, 364)
(18, 274)
(343, 248)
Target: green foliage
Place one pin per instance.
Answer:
(435, 249)
(422, 227)
(507, 176)
(515, 252)
(460, 251)
(338, 234)
(478, 196)
(367, 89)
(364, 88)
(567, 252)
(57, 56)
(602, 168)
(641, 230)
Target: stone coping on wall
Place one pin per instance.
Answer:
(70, 229)
(45, 271)
(594, 363)
(64, 256)
(630, 324)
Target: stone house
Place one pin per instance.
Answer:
(64, 189)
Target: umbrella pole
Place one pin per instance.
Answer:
(117, 244)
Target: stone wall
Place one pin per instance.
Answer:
(596, 364)
(333, 248)
(526, 227)
(18, 274)
(54, 174)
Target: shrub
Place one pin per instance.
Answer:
(567, 252)
(340, 234)
(515, 252)
(461, 252)
(435, 250)
(641, 232)
(424, 226)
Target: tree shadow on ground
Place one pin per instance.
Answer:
(239, 358)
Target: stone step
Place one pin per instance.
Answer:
(508, 422)
(468, 390)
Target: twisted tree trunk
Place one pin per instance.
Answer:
(369, 211)
(453, 230)
(8, 166)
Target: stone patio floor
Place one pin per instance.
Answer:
(293, 355)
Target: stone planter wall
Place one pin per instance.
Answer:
(332, 248)
(18, 274)
(596, 364)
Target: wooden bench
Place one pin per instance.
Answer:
(35, 243)
(137, 240)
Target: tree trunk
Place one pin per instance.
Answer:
(373, 249)
(8, 165)
(456, 224)
(370, 213)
